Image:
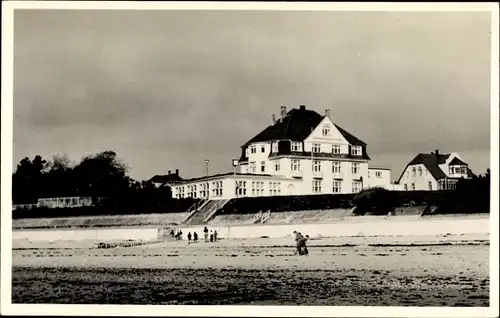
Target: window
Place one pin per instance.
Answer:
(419, 171)
(251, 167)
(317, 186)
(356, 150)
(326, 130)
(378, 174)
(369, 173)
(253, 149)
(296, 146)
(356, 186)
(316, 167)
(257, 188)
(241, 187)
(464, 170)
(274, 147)
(413, 172)
(217, 188)
(430, 185)
(316, 148)
(406, 187)
(355, 168)
(295, 165)
(262, 148)
(274, 188)
(413, 186)
(262, 166)
(337, 187)
(336, 149)
(204, 190)
(277, 165)
(336, 168)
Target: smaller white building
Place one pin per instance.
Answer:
(235, 185)
(379, 177)
(434, 171)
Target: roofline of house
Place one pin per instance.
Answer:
(232, 174)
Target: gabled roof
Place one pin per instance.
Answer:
(168, 178)
(457, 162)
(431, 162)
(297, 126)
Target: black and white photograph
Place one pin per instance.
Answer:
(287, 159)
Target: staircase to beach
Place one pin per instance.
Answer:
(205, 212)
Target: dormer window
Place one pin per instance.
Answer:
(253, 149)
(274, 147)
(296, 146)
(356, 150)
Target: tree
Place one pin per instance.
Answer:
(101, 175)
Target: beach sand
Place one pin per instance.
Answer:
(449, 270)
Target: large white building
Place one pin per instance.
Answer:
(434, 171)
(300, 153)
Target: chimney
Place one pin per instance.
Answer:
(169, 171)
(274, 119)
(302, 107)
(327, 113)
(177, 172)
(283, 111)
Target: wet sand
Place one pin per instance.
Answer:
(368, 271)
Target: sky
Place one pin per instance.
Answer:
(168, 89)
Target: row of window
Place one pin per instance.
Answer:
(452, 170)
(336, 187)
(316, 167)
(316, 148)
(378, 174)
(442, 185)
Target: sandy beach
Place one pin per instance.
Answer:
(449, 270)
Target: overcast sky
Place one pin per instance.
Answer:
(168, 89)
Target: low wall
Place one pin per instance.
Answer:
(361, 226)
(353, 226)
(86, 234)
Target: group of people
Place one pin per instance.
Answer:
(209, 237)
(301, 241)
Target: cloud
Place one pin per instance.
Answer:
(171, 88)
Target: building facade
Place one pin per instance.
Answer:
(300, 153)
(434, 171)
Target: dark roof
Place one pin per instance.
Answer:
(166, 178)
(226, 174)
(457, 162)
(297, 126)
(431, 162)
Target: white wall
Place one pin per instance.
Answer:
(87, 234)
(421, 181)
(364, 226)
(383, 181)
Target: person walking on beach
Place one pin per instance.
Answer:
(205, 231)
(215, 235)
(298, 241)
(189, 237)
(303, 245)
(211, 236)
(195, 237)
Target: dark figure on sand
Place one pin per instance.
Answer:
(211, 236)
(189, 237)
(205, 231)
(215, 236)
(301, 243)
(195, 237)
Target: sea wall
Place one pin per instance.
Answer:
(351, 226)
